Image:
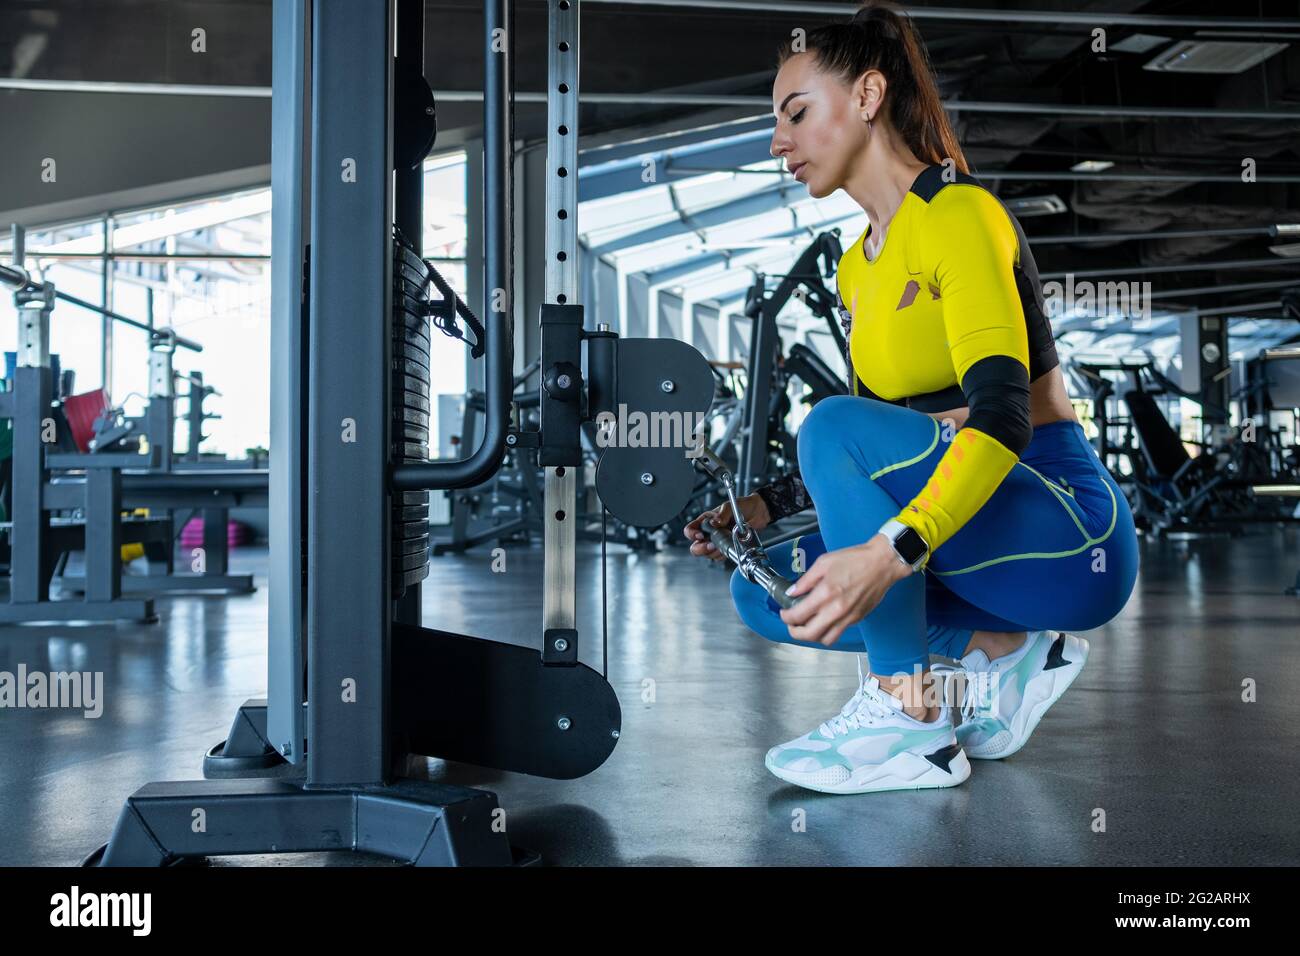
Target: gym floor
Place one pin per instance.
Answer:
(1155, 732)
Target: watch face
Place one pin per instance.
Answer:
(910, 546)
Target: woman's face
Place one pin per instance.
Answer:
(820, 125)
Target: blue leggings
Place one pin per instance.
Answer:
(1054, 547)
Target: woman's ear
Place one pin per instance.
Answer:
(869, 94)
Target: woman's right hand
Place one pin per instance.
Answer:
(752, 507)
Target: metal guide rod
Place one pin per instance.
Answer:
(498, 84)
(106, 301)
(559, 538)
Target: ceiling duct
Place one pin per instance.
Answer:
(1212, 56)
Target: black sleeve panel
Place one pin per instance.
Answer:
(997, 390)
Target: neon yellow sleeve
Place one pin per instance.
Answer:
(969, 250)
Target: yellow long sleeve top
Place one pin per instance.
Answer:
(948, 314)
(951, 299)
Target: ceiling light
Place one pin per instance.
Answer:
(1035, 206)
(1091, 166)
(1289, 250)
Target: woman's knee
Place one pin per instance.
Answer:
(827, 432)
(826, 421)
(1105, 577)
(1112, 595)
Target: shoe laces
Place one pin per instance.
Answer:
(862, 709)
(970, 698)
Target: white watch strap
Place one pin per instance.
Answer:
(891, 529)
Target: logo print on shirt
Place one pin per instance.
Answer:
(909, 294)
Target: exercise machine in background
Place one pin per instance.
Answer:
(767, 446)
(1231, 482)
(187, 483)
(76, 467)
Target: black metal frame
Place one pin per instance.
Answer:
(805, 276)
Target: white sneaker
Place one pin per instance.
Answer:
(873, 745)
(1006, 698)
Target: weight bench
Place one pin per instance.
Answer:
(211, 492)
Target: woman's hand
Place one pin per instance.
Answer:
(752, 507)
(841, 588)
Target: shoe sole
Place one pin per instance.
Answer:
(1010, 741)
(904, 771)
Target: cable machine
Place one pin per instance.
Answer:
(356, 682)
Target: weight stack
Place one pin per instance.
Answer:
(410, 428)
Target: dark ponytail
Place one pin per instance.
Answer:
(878, 37)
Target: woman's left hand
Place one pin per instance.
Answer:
(841, 588)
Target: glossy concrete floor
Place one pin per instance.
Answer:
(1154, 734)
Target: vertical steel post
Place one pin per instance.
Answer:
(290, 178)
(194, 414)
(559, 537)
(29, 565)
(103, 535)
(216, 544)
(106, 300)
(349, 599)
(762, 362)
(498, 194)
(160, 416)
(408, 205)
(408, 208)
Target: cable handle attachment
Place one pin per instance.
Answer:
(742, 545)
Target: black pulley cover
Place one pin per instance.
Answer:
(415, 126)
(646, 477)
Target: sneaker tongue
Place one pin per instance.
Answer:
(872, 687)
(976, 660)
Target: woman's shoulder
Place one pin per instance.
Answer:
(950, 191)
(959, 209)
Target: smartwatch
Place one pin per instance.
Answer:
(907, 543)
